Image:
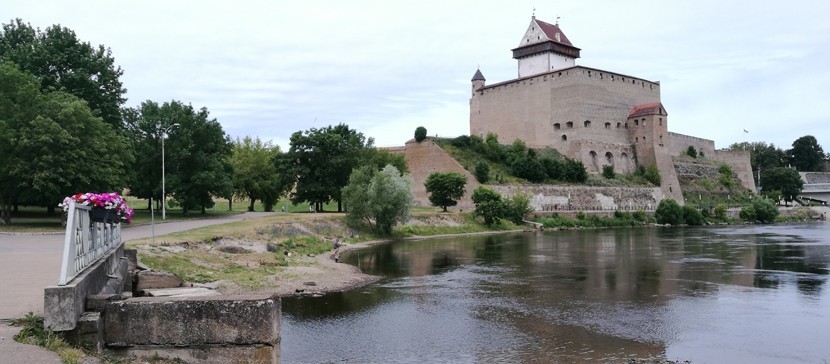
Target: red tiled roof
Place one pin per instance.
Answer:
(551, 30)
(645, 109)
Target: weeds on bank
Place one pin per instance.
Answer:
(620, 219)
(33, 333)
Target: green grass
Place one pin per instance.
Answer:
(620, 219)
(33, 333)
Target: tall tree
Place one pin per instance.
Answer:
(445, 189)
(806, 155)
(379, 198)
(255, 172)
(54, 145)
(63, 62)
(784, 180)
(322, 160)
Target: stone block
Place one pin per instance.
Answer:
(156, 280)
(193, 321)
(88, 333)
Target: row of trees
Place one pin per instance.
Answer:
(806, 155)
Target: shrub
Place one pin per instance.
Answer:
(669, 212)
(528, 168)
(692, 216)
(639, 215)
(580, 215)
(462, 141)
(720, 212)
(488, 204)
(482, 172)
(574, 171)
(691, 152)
(553, 168)
(652, 174)
(748, 213)
(420, 134)
(608, 172)
(516, 207)
(765, 210)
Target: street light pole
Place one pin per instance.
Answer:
(163, 192)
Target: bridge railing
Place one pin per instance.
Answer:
(85, 241)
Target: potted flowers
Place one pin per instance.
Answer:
(106, 207)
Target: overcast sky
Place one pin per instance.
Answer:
(270, 68)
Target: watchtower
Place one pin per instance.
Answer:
(544, 48)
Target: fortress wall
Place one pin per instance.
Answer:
(425, 158)
(739, 161)
(558, 198)
(529, 108)
(679, 143)
(621, 156)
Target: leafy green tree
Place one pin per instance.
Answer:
(445, 189)
(691, 152)
(806, 155)
(380, 199)
(574, 171)
(692, 216)
(762, 156)
(652, 174)
(380, 158)
(482, 172)
(608, 172)
(492, 149)
(488, 204)
(747, 213)
(198, 155)
(529, 168)
(255, 173)
(62, 62)
(765, 210)
(782, 179)
(322, 160)
(516, 207)
(52, 145)
(553, 168)
(669, 212)
(720, 212)
(420, 134)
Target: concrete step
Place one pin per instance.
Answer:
(181, 292)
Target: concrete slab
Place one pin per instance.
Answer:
(181, 292)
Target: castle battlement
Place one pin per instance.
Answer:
(581, 72)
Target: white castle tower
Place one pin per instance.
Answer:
(544, 48)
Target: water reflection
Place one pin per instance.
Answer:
(702, 294)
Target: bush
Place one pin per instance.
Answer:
(528, 168)
(652, 174)
(574, 171)
(420, 134)
(748, 213)
(640, 215)
(691, 152)
(765, 210)
(608, 172)
(669, 212)
(488, 205)
(482, 172)
(553, 168)
(692, 216)
(516, 207)
(462, 141)
(720, 212)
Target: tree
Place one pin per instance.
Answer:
(488, 204)
(652, 174)
(482, 172)
(765, 210)
(806, 155)
(255, 173)
(380, 158)
(420, 134)
(669, 212)
(762, 156)
(574, 171)
(197, 155)
(322, 160)
(380, 199)
(692, 216)
(63, 62)
(691, 152)
(516, 207)
(608, 172)
(782, 179)
(52, 145)
(445, 189)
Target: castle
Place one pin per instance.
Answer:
(591, 115)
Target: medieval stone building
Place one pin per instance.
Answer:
(595, 116)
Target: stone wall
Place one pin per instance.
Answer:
(739, 161)
(549, 198)
(680, 144)
(425, 158)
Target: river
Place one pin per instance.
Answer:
(732, 294)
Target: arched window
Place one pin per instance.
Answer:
(609, 158)
(587, 123)
(619, 124)
(608, 125)
(594, 165)
(564, 137)
(570, 124)
(644, 121)
(636, 123)
(557, 126)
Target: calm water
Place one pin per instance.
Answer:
(749, 294)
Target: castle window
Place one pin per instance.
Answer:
(644, 122)
(589, 73)
(661, 121)
(644, 139)
(557, 126)
(637, 139)
(633, 82)
(564, 137)
(626, 125)
(609, 158)
(618, 125)
(587, 123)
(636, 123)
(570, 124)
(608, 125)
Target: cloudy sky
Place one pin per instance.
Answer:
(270, 68)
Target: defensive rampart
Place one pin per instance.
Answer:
(552, 198)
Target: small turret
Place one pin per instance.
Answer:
(478, 81)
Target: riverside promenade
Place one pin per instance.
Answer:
(31, 262)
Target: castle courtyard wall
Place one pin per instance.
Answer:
(680, 143)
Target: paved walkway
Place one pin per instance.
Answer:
(29, 263)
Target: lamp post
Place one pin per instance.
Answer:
(163, 192)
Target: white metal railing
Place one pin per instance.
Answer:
(85, 241)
